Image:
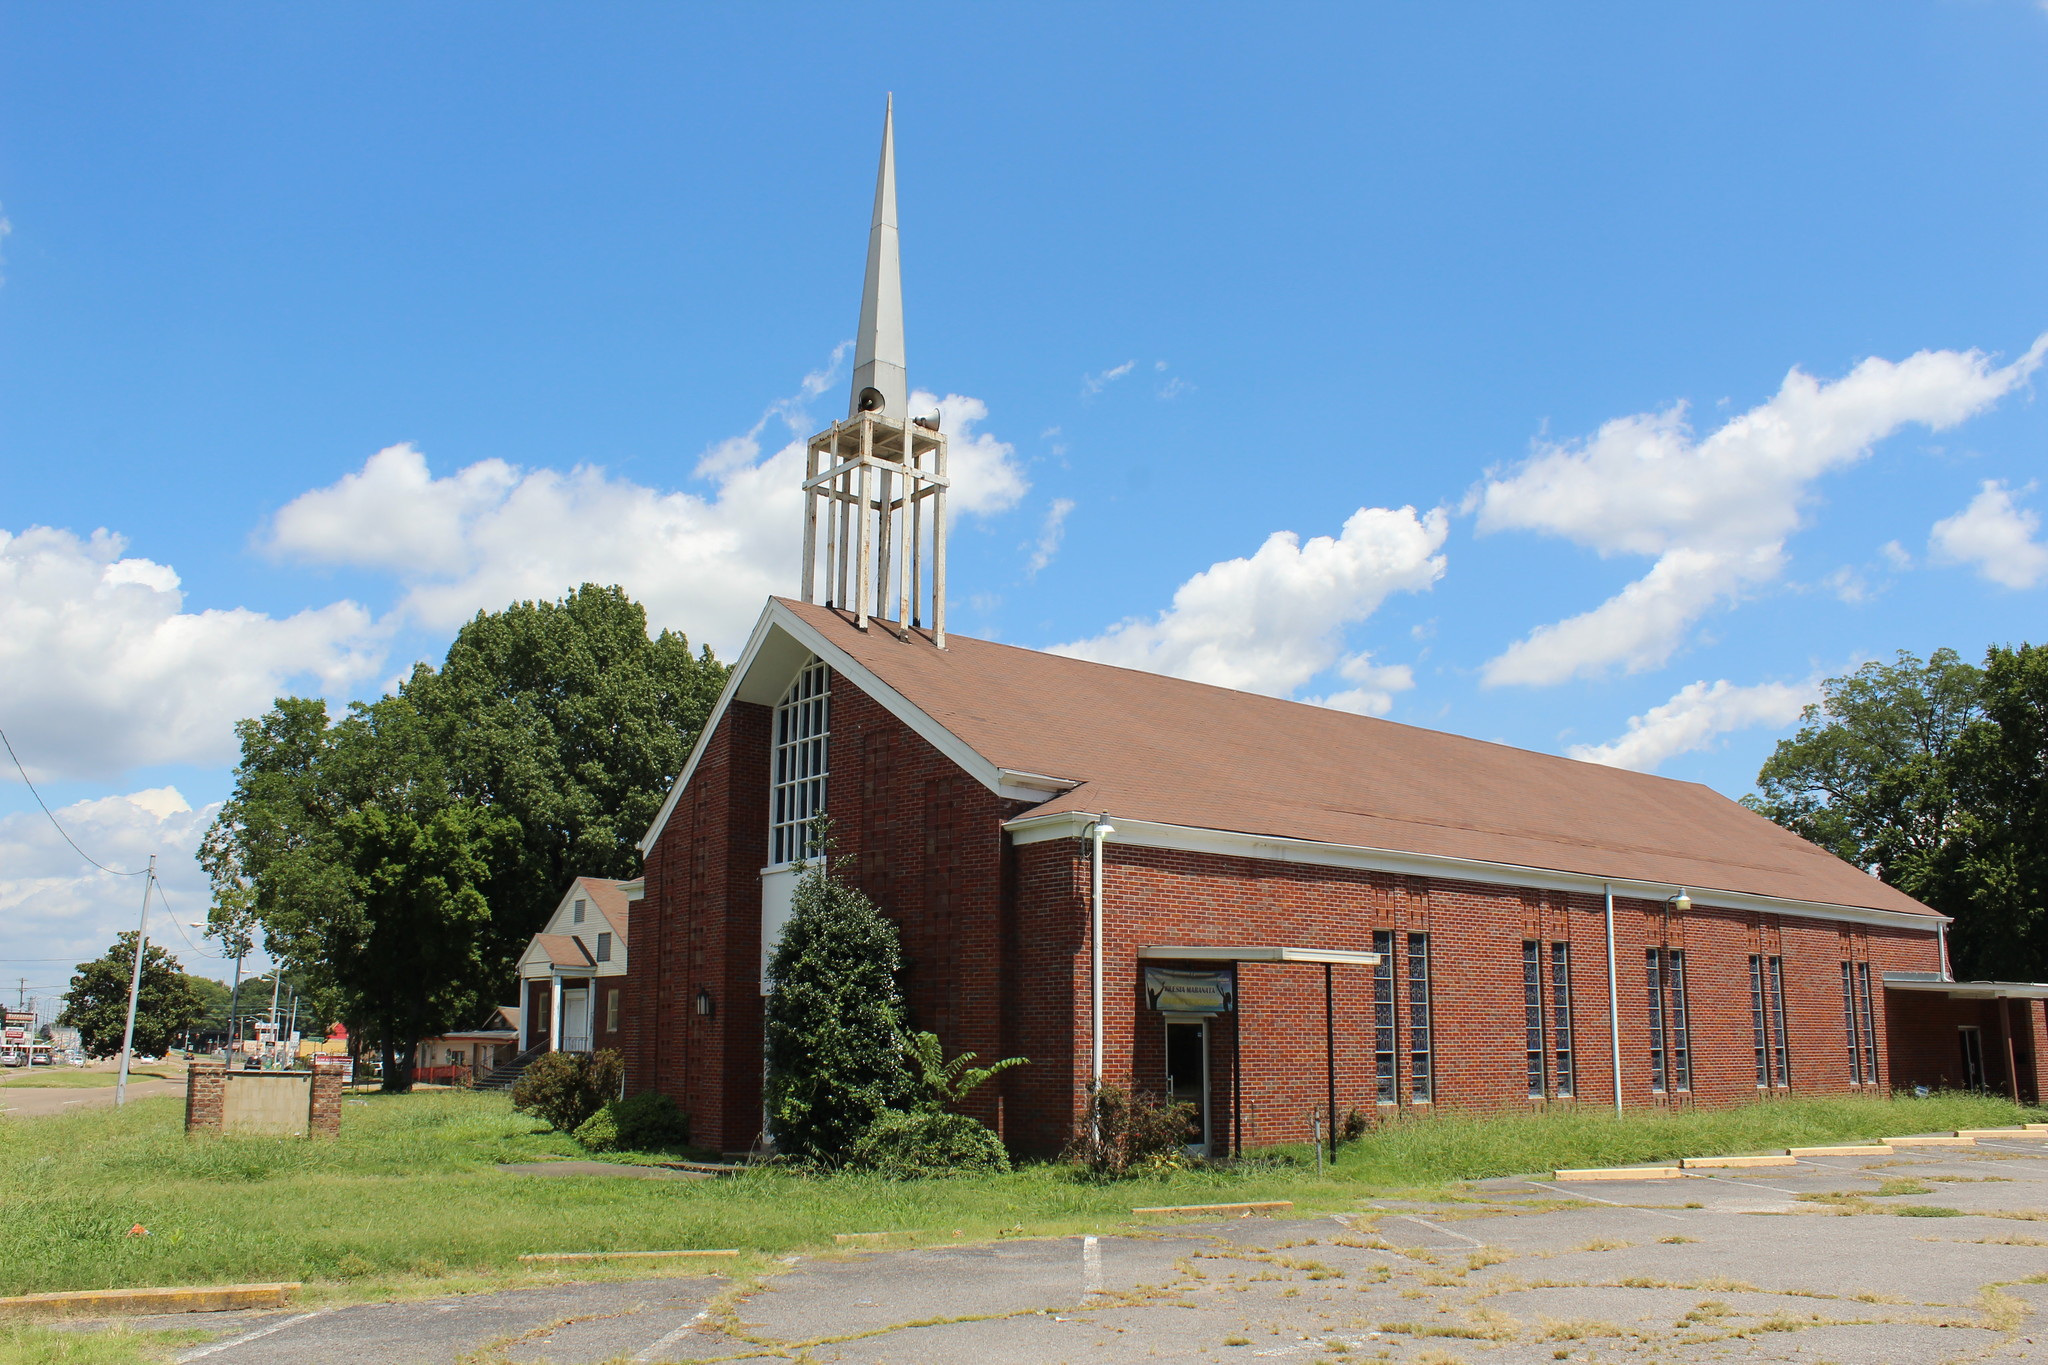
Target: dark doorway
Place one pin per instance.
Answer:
(1187, 1074)
(1973, 1057)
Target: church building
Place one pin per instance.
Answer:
(1277, 912)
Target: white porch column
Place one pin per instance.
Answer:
(525, 1007)
(554, 1013)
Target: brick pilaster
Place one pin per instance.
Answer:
(324, 1116)
(206, 1083)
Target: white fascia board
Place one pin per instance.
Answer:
(1016, 786)
(1969, 990)
(1170, 952)
(1032, 829)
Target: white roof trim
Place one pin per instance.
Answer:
(1967, 990)
(1032, 829)
(1195, 953)
(1016, 786)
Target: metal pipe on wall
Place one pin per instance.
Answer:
(1097, 832)
(1613, 998)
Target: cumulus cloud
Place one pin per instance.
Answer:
(1693, 719)
(1050, 534)
(58, 906)
(1995, 535)
(1715, 512)
(1376, 684)
(103, 670)
(1271, 622)
(491, 533)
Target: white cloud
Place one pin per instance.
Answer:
(1092, 384)
(1896, 555)
(1996, 535)
(1376, 686)
(1693, 719)
(1715, 512)
(1050, 535)
(492, 533)
(102, 670)
(57, 906)
(1273, 621)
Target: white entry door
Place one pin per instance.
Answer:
(576, 1019)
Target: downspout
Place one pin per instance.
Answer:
(1613, 998)
(1098, 831)
(1941, 936)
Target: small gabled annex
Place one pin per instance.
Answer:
(572, 976)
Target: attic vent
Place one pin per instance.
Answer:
(579, 912)
(604, 947)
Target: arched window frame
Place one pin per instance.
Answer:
(800, 755)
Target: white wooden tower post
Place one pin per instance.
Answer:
(877, 481)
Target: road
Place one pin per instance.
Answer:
(1732, 1265)
(31, 1101)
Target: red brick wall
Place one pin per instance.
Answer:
(996, 956)
(1929, 1050)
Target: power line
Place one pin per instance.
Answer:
(53, 819)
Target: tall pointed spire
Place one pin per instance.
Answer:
(879, 382)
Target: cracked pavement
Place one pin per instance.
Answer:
(1926, 1255)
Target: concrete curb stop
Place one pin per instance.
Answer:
(1620, 1173)
(619, 1255)
(217, 1298)
(1258, 1206)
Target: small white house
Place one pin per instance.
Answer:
(572, 976)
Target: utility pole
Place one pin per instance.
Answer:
(135, 986)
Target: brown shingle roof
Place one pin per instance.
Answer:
(610, 902)
(1146, 747)
(565, 950)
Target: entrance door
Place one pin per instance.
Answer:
(1973, 1057)
(1187, 1074)
(576, 1019)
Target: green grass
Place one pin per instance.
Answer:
(72, 1080)
(411, 1196)
(28, 1344)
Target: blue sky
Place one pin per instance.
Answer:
(1189, 277)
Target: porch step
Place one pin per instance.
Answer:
(506, 1076)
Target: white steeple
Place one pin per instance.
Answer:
(875, 484)
(879, 383)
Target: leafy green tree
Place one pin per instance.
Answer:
(834, 1019)
(1996, 874)
(1870, 775)
(97, 1003)
(940, 1084)
(567, 718)
(401, 857)
(213, 1004)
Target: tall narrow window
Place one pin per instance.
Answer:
(1681, 1027)
(604, 947)
(1421, 1078)
(1852, 1023)
(1759, 1022)
(802, 730)
(1869, 1024)
(1532, 1016)
(576, 914)
(1781, 1056)
(1654, 970)
(1561, 1017)
(1383, 1044)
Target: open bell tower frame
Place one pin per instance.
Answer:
(879, 489)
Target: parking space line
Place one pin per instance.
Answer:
(199, 1352)
(1596, 1199)
(1424, 1222)
(1775, 1189)
(668, 1339)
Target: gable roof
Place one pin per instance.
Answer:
(609, 899)
(1084, 737)
(564, 950)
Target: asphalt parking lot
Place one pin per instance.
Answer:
(1922, 1255)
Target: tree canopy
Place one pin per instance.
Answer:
(402, 856)
(97, 1003)
(1933, 775)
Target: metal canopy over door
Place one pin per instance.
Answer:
(576, 1019)
(1187, 1072)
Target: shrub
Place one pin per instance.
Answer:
(599, 1132)
(1132, 1134)
(927, 1143)
(834, 1019)
(650, 1122)
(565, 1088)
(938, 1082)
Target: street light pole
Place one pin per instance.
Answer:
(135, 986)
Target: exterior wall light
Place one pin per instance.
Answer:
(1680, 902)
(705, 1005)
